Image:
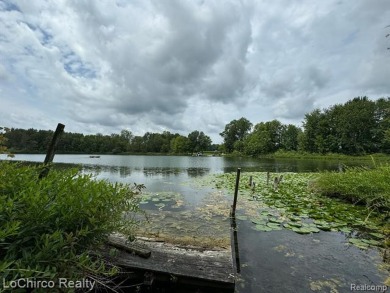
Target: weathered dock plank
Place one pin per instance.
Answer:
(212, 268)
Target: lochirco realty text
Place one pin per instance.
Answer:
(61, 283)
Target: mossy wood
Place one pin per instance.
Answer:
(122, 244)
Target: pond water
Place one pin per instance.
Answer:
(180, 205)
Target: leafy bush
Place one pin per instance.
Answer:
(3, 140)
(360, 185)
(49, 226)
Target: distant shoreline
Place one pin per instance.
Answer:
(378, 157)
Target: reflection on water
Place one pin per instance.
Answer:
(168, 173)
(193, 165)
(144, 169)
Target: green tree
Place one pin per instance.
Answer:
(180, 145)
(382, 118)
(198, 141)
(356, 127)
(127, 135)
(152, 142)
(137, 144)
(167, 138)
(235, 131)
(386, 142)
(265, 138)
(126, 138)
(289, 137)
(311, 125)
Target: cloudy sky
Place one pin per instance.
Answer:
(105, 65)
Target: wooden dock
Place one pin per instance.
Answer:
(176, 266)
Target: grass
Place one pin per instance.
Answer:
(365, 186)
(281, 154)
(369, 187)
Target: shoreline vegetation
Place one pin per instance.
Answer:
(359, 185)
(49, 227)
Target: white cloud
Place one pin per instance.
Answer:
(102, 66)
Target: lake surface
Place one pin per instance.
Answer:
(150, 169)
(276, 261)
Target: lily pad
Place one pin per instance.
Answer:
(325, 227)
(372, 242)
(300, 230)
(305, 230)
(358, 243)
(274, 226)
(295, 219)
(345, 230)
(275, 220)
(378, 235)
(295, 224)
(260, 221)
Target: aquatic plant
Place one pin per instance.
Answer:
(295, 205)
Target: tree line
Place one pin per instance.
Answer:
(359, 126)
(36, 141)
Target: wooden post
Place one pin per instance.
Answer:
(250, 181)
(236, 192)
(277, 182)
(233, 225)
(51, 150)
(234, 244)
(268, 178)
